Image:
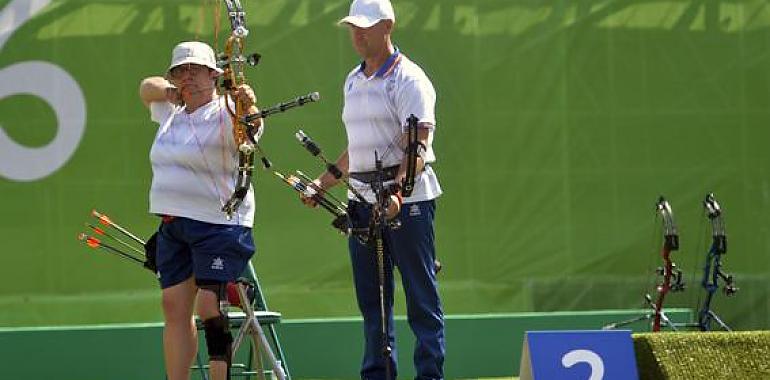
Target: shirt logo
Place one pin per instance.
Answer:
(390, 85)
(218, 264)
(414, 210)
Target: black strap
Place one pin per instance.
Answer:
(388, 174)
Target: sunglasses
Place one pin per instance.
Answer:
(187, 68)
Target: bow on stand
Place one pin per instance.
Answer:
(670, 276)
(712, 270)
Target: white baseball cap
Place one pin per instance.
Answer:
(194, 52)
(365, 13)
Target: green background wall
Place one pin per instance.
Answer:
(559, 125)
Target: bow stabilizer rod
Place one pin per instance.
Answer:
(282, 107)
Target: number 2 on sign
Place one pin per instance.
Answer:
(585, 356)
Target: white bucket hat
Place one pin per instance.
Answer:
(365, 13)
(194, 52)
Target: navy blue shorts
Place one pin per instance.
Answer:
(208, 251)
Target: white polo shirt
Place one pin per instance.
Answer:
(194, 164)
(375, 112)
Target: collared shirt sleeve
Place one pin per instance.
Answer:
(418, 97)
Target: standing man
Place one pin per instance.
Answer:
(200, 249)
(380, 94)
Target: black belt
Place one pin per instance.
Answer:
(388, 174)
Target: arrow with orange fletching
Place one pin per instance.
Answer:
(105, 220)
(128, 249)
(102, 232)
(96, 243)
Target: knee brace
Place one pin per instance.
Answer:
(217, 329)
(218, 338)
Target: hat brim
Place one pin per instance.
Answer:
(359, 21)
(195, 61)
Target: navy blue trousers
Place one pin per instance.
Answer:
(411, 249)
